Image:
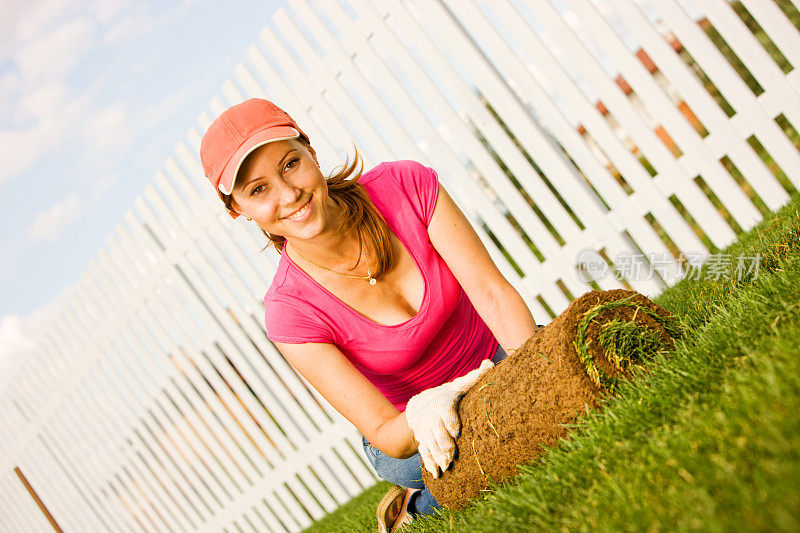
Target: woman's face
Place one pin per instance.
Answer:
(275, 181)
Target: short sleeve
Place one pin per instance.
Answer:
(421, 185)
(288, 322)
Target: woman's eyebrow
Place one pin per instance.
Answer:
(251, 180)
(280, 166)
(280, 163)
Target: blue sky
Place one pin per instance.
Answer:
(94, 95)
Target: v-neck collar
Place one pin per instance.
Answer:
(408, 323)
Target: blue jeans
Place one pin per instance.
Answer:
(408, 472)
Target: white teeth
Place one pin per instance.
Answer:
(301, 213)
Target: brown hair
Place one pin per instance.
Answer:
(357, 212)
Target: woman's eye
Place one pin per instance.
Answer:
(292, 162)
(257, 189)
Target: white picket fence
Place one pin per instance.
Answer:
(155, 402)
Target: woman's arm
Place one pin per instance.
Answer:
(497, 302)
(327, 369)
(397, 432)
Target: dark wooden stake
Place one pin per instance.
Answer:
(39, 502)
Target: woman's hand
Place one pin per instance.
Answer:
(433, 419)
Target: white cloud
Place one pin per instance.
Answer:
(40, 109)
(103, 184)
(18, 337)
(23, 21)
(9, 87)
(107, 10)
(53, 56)
(12, 337)
(36, 104)
(48, 117)
(15, 345)
(140, 20)
(133, 24)
(110, 129)
(41, 103)
(49, 224)
(162, 110)
(19, 149)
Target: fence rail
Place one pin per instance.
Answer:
(567, 131)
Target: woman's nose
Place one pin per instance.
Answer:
(289, 193)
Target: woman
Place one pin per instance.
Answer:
(384, 299)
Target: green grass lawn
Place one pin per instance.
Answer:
(709, 440)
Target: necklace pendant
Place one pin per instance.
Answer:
(373, 281)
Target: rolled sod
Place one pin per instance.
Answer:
(529, 399)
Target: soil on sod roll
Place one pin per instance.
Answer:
(522, 404)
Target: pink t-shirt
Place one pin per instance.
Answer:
(445, 340)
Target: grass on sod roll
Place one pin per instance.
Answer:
(709, 440)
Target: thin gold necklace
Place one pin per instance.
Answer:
(372, 281)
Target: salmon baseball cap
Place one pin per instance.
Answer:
(238, 131)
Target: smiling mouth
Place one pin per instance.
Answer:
(300, 211)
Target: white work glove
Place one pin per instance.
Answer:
(433, 418)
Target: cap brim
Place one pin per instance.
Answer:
(276, 133)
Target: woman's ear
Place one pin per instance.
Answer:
(233, 207)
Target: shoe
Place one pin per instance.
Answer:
(392, 509)
(405, 517)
